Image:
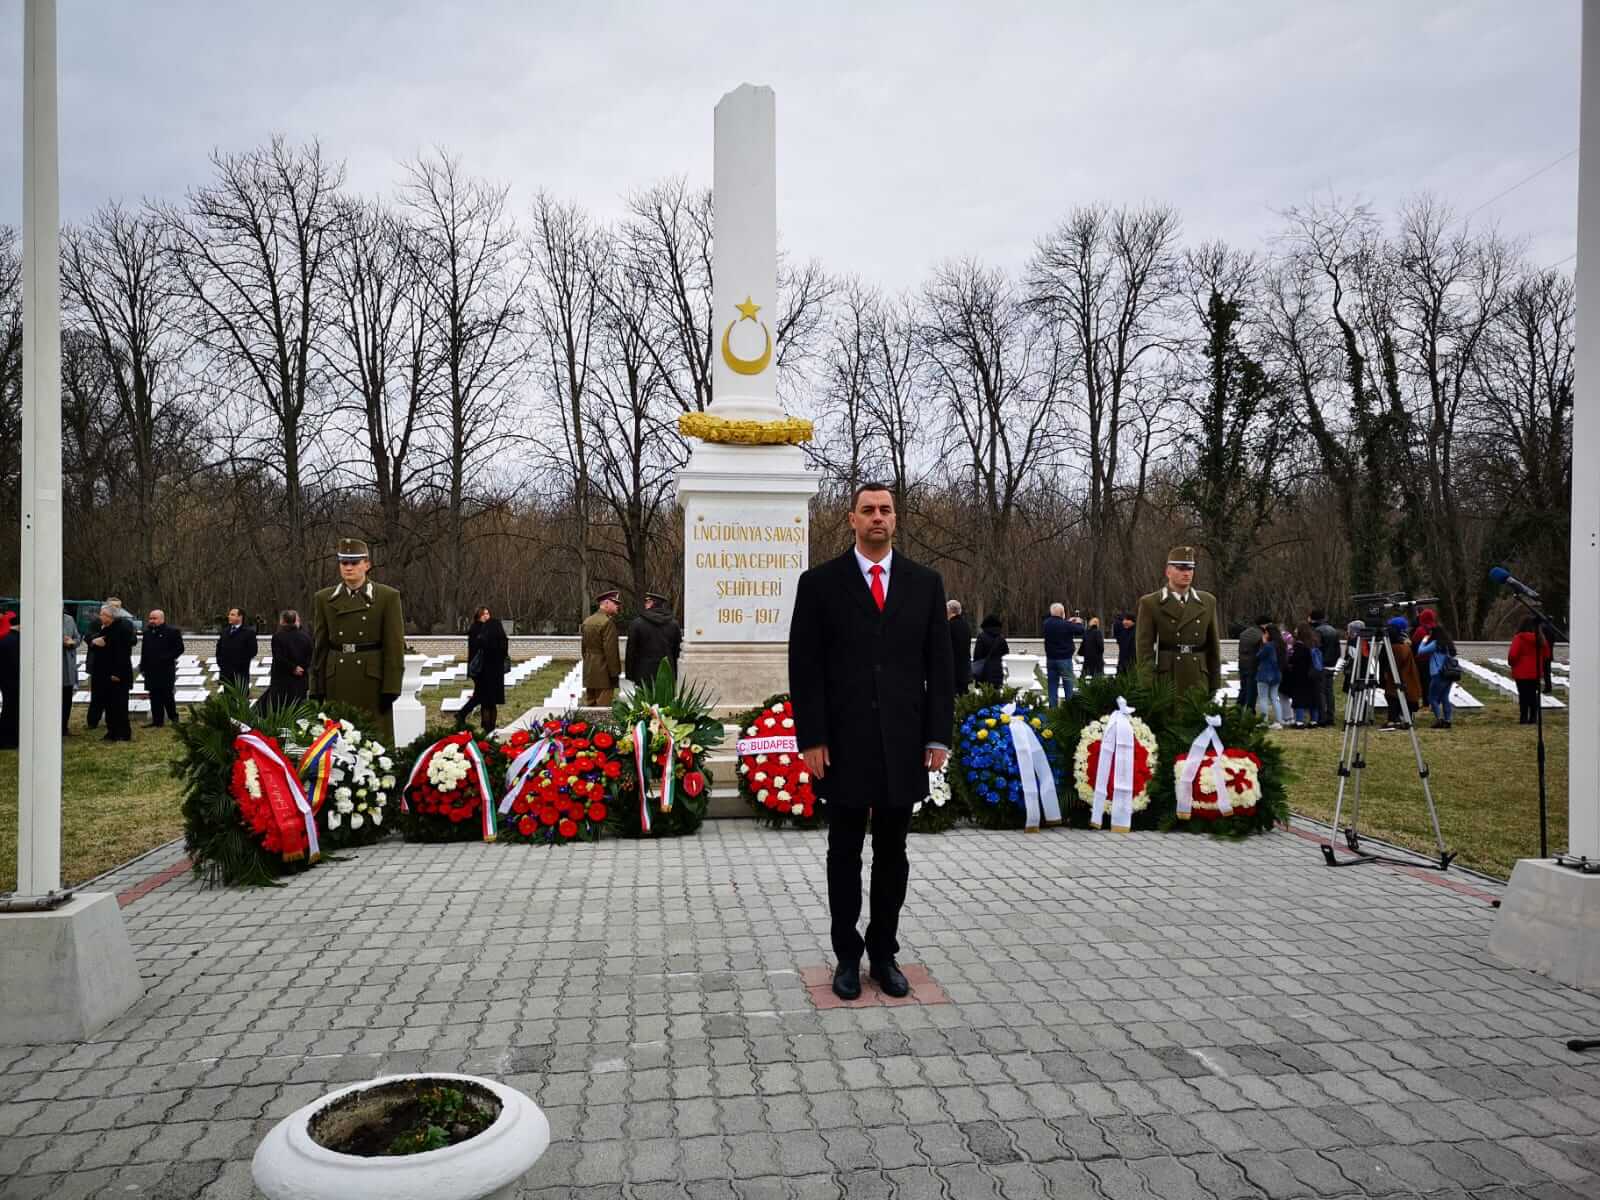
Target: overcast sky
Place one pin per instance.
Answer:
(907, 132)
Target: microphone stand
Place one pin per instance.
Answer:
(1538, 711)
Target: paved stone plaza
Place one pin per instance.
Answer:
(1115, 1016)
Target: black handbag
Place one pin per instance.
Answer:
(475, 665)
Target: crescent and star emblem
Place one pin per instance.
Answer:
(746, 366)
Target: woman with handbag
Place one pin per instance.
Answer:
(989, 654)
(488, 657)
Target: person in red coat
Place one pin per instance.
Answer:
(1529, 656)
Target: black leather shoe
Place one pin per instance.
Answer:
(847, 981)
(890, 978)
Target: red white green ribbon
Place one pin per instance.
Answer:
(526, 764)
(641, 749)
(270, 754)
(319, 759)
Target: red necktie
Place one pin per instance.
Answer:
(877, 585)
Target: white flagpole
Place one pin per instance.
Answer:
(39, 791)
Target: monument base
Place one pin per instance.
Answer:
(738, 675)
(1549, 922)
(69, 973)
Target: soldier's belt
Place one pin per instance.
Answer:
(358, 647)
(1183, 649)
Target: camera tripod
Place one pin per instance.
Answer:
(1365, 675)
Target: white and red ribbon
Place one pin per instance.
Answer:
(1033, 766)
(1204, 741)
(272, 756)
(526, 764)
(1115, 770)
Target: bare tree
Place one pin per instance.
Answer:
(846, 363)
(1105, 278)
(667, 237)
(122, 289)
(252, 248)
(10, 395)
(466, 254)
(896, 394)
(567, 284)
(381, 349)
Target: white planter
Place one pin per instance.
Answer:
(289, 1165)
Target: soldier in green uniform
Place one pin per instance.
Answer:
(358, 641)
(1176, 636)
(602, 662)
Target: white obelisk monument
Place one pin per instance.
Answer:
(746, 488)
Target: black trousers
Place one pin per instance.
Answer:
(66, 707)
(490, 712)
(162, 702)
(115, 698)
(97, 703)
(847, 831)
(1527, 701)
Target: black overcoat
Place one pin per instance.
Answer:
(236, 649)
(653, 637)
(159, 652)
(487, 645)
(291, 648)
(961, 651)
(115, 658)
(875, 688)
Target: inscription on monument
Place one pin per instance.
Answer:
(742, 563)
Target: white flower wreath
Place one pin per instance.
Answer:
(1093, 732)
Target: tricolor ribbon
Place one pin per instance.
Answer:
(1115, 768)
(641, 751)
(526, 764)
(1033, 765)
(1205, 741)
(319, 760)
(273, 757)
(469, 750)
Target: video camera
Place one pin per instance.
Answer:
(1374, 605)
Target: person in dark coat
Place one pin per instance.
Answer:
(1058, 633)
(158, 666)
(653, 638)
(236, 650)
(488, 657)
(290, 681)
(989, 653)
(960, 645)
(1126, 634)
(874, 708)
(113, 670)
(1303, 680)
(1093, 650)
(10, 681)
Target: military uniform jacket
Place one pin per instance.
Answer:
(1179, 640)
(602, 660)
(370, 618)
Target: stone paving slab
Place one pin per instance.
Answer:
(1136, 1015)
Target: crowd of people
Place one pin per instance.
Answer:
(1290, 671)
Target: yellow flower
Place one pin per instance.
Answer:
(983, 733)
(1049, 733)
(989, 721)
(1036, 723)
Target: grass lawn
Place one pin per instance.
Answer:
(1484, 775)
(121, 799)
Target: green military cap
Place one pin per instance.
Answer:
(353, 550)
(1181, 556)
(614, 595)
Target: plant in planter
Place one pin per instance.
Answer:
(406, 1137)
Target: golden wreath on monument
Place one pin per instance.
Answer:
(788, 431)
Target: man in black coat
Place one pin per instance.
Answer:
(653, 638)
(1126, 634)
(158, 665)
(236, 649)
(874, 707)
(113, 670)
(960, 646)
(290, 680)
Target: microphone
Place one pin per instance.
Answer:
(1501, 575)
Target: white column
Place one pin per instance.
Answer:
(1583, 761)
(744, 358)
(39, 790)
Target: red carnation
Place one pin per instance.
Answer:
(525, 826)
(567, 829)
(548, 817)
(578, 727)
(597, 811)
(604, 740)
(613, 769)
